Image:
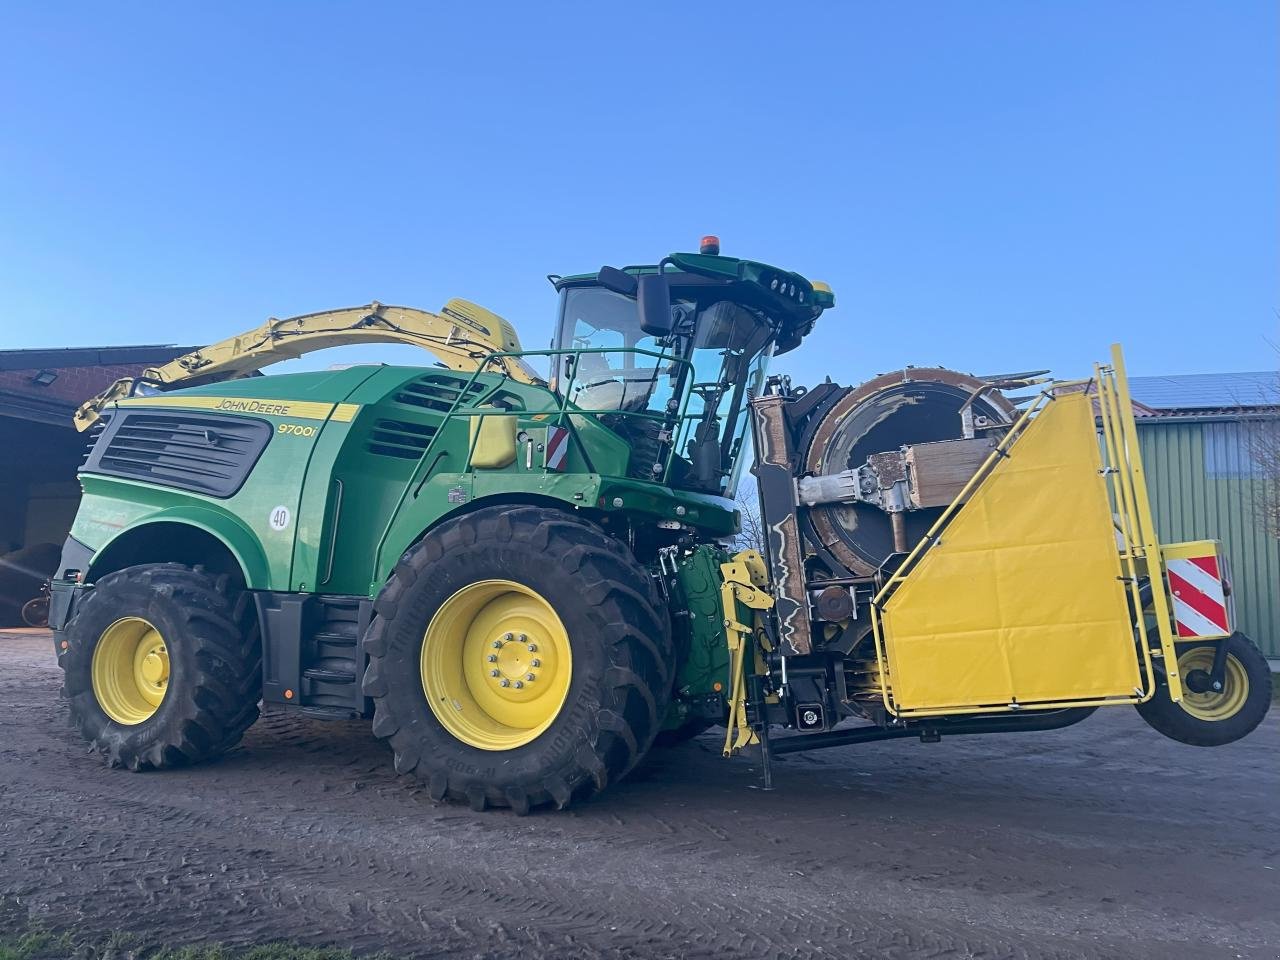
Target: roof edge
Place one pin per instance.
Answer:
(58, 357)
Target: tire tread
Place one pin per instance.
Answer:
(221, 699)
(638, 648)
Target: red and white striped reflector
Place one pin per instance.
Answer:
(1199, 601)
(557, 447)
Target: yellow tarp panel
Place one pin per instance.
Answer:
(1021, 599)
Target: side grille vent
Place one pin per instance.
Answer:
(397, 438)
(208, 454)
(93, 435)
(436, 392)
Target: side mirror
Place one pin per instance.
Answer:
(619, 281)
(653, 300)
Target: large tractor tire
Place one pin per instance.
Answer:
(163, 666)
(1207, 717)
(518, 656)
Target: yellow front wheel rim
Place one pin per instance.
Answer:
(496, 664)
(1214, 704)
(130, 670)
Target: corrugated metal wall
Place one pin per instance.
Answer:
(1205, 483)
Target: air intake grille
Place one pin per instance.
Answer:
(396, 438)
(436, 392)
(208, 454)
(93, 435)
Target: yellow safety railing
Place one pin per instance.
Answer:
(1141, 546)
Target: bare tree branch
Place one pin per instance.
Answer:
(1264, 450)
(751, 536)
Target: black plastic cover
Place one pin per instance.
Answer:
(206, 453)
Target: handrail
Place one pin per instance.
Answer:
(565, 410)
(1121, 483)
(1146, 544)
(561, 410)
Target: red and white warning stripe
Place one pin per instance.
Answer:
(1199, 600)
(557, 447)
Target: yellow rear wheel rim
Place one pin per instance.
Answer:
(130, 670)
(1214, 704)
(496, 664)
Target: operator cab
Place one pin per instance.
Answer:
(667, 356)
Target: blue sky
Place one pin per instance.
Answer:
(989, 186)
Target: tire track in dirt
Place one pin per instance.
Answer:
(1082, 843)
(116, 859)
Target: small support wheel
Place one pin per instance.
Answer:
(1209, 717)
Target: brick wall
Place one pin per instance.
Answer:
(73, 386)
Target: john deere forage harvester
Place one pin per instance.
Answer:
(526, 583)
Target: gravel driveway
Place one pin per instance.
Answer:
(1101, 840)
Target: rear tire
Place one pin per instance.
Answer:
(1211, 719)
(614, 660)
(163, 666)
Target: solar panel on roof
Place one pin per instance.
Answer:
(1197, 391)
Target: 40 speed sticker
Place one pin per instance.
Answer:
(279, 518)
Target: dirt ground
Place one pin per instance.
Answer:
(1103, 840)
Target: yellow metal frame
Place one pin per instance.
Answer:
(743, 581)
(1138, 546)
(462, 335)
(1191, 548)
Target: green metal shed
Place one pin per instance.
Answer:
(1204, 441)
